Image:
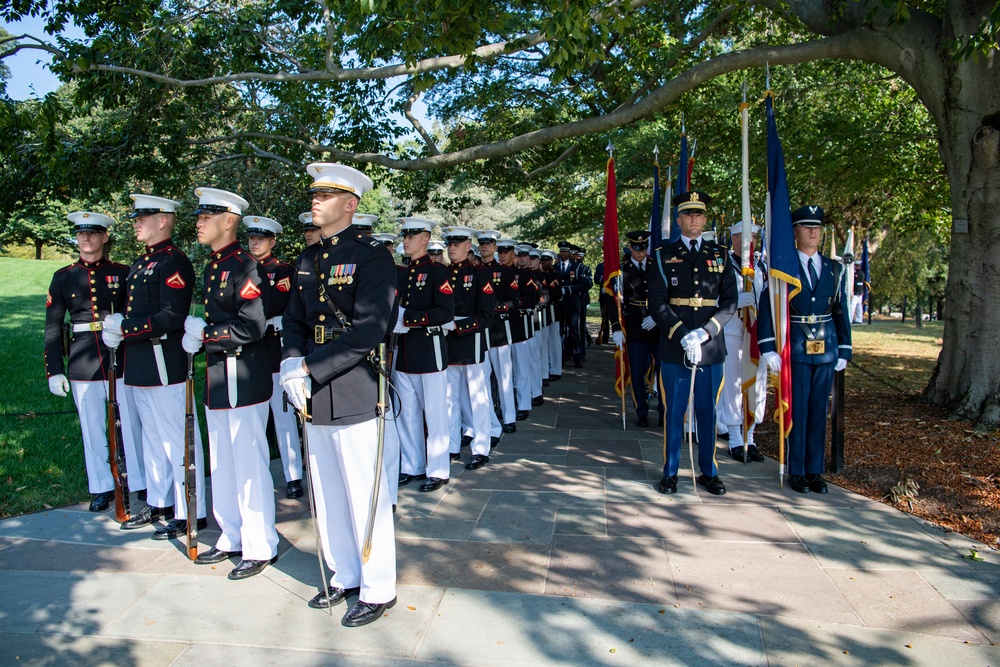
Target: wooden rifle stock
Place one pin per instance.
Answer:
(116, 449)
(190, 473)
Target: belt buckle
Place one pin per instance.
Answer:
(96, 326)
(696, 302)
(815, 346)
(319, 334)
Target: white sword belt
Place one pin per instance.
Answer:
(88, 326)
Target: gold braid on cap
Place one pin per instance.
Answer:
(327, 185)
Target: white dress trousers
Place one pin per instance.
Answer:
(502, 365)
(342, 464)
(524, 357)
(242, 488)
(470, 385)
(285, 432)
(423, 396)
(161, 412)
(91, 405)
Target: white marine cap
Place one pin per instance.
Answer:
(148, 205)
(336, 177)
(488, 235)
(365, 220)
(307, 221)
(260, 226)
(534, 252)
(507, 244)
(549, 254)
(475, 251)
(457, 234)
(708, 236)
(416, 225)
(86, 221)
(211, 200)
(523, 249)
(738, 228)
(435, 245)
(385, 239)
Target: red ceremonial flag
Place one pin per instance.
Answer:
(612, 273)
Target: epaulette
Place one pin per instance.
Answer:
(366, 240)
(66, 268)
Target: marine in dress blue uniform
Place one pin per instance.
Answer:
(160, 284)
(426, 314)
(468, 370)
(820, 346)
(343, 295)
(236, 400)
(551, 340)
(523, 349)
(641, 335)
(277, 279)
(88, 291)
(692, 294)
(507, 299)
(539, 369)
(310, 232)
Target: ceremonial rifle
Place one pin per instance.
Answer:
(190, 473)
(116, 446)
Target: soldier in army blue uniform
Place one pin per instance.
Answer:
(468, 371)
(505, 292)
(820, 346)
(571, 285)
(160, 285)
(692, 294)
(89, 290)
(586, 277)
(261, 238)
(343, 295)
(236, 400)
(426, 314)
(640, 333)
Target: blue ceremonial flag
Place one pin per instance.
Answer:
(867, 272)
(655, 222)
(682, 185)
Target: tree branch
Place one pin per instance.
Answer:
(408, 112)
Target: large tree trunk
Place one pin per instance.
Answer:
(38, 248)
(967, 378)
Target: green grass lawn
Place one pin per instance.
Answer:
(41, 450)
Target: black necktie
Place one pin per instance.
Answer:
(694, 246)
(813, 277)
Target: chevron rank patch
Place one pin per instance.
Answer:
(176, 281)
(249, 290)
(446, 288)
(284, 285)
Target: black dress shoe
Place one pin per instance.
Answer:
(642, 422)
(494, 441)
(668, 484)
(455, 457)
(522, 415)
(476, 462)
(433, 483)
(394, 508)
(294, 489)
(554, 378)
(146, 516)
(799, 483)
(141, 494)
(722, 436)
(363, 613)
(817, 484)
(249, 568)
(213, 556)
(509, 428)
(713, 485)
(466, 441)
(737, 454)
(577, 364)
(337, 595)
(545, 382)
(102, 501)
(405, 479)
(176, 527)
(755, 454)
(537, 400)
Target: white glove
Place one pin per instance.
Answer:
(191, 343)
(617, 338)
(697, 337)
(276, 321)
(448, 326)
(693, 353)
(772, 360)
(841, 365)
(58, 385)
(194, 326)
(648, 323)
(111, 339)
(745, 300)
(113, 323)
(296, 382)
(400, 328)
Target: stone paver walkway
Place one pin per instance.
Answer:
(559, 552)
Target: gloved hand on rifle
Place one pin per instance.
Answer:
(112, 333)
(194, 328)
(400, 327)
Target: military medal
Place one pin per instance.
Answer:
(224, 280)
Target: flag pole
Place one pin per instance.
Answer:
(746, 263)
(618, 305)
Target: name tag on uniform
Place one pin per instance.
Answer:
(815, 346)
